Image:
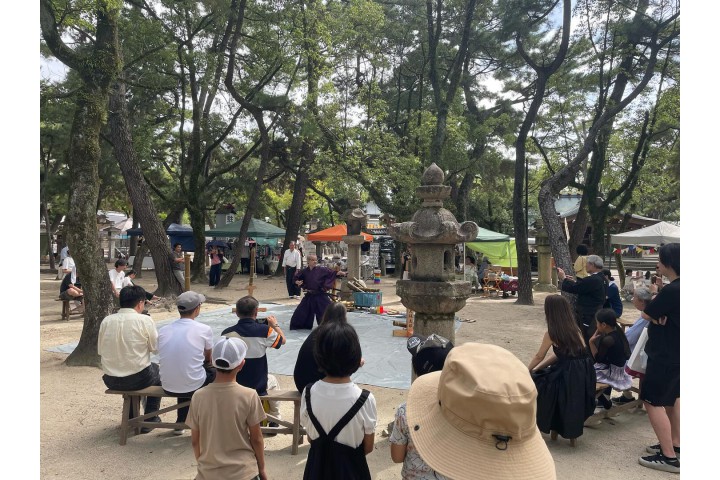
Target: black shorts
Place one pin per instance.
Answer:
(661, 385)
(66, 296)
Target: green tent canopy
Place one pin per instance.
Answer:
(485, 235)
(498, 247)
(262, 232)
(503, 254)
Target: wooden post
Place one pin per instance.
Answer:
(187, 272)
(407, 328)
(251, 285)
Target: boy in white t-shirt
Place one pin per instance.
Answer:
(117, 275)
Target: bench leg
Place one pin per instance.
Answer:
(124, 422)
(136, 410)
(296, 428)
(65, 310)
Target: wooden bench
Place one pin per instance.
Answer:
(615, 409)
(597, 418)
(137, 422)
(65, 313)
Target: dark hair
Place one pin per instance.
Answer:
(337, 349)
(582, 249)
(669, 255)
(131, 295)
(606, 272)
(609, 317)
(334, 313)
(246, 306)
(130, 272)
(121, 262)
(471, 258)
(647, 275)
(176, 244)
(628, 271)
(562, 328)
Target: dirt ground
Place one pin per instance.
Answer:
(79, 423)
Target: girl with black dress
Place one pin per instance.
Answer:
(565, 379)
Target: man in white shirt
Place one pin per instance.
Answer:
(68, 266)
(117, 275)
(125, 342)
(63, 256)
(291, 262)
(185, 350)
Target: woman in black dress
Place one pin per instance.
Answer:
(306, 368)
(565, 379)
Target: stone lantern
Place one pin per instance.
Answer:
(432, 291)
(356, 220)
(542, 243)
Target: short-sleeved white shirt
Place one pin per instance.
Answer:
(330, 402)
(181, 348)
(69, 264)
(116, 278)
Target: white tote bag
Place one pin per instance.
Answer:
(638, 359)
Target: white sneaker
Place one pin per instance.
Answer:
(178, 431)
(297, 297)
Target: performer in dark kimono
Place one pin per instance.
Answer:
(316, 281)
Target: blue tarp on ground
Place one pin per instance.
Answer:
(387, 361)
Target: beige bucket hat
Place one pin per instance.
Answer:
(476, 418)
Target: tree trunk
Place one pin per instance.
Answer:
(519, 214)
(235, 23)
(197, 222)
(96, 70)
(143, 206)
(48, 235)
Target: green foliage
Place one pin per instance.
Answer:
(376, 115)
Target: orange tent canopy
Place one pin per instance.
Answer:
(334, 234)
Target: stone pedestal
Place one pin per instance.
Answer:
(319, 250)
(353, 262)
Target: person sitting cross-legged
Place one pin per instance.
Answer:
(128, 280)
(72, 292)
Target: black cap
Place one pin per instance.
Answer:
(428, 353)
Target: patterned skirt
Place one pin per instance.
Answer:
(613, 375)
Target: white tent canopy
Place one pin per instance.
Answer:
(656, 234)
